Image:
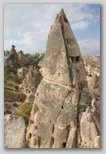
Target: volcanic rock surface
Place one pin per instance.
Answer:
(14, 132)
(54, 117)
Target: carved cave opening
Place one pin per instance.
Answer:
(75, 59)
(51, 142)
(39, 141)
(64, 145)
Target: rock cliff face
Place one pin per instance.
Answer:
(54, 117)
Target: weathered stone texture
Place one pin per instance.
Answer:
(31, 80)
(14, 132)
(53, 120)
(53, 110)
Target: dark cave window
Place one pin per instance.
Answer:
(30, 135)
(78, 59)
(39, 141)
(75, 59)
(64, 145)
(36, 127)
(62, 107)
(51, 142)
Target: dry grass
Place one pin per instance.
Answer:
(24, 111)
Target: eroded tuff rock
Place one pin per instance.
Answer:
(31, 80)
(14, 132)
(21, 78)
(53, 121)
(21, 73)
(89, 119)
(12, 62)
(92, 66)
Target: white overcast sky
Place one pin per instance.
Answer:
(27, 26)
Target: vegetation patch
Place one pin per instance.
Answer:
(24, 111)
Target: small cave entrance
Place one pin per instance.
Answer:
(36, 127)
(39, 141)
(29, 136)
(62, 107)
(51, 142)
(75, 59)
(64, 145)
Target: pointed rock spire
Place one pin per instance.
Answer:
(53, 120)
(62, 52)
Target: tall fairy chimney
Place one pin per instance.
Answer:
(53, 119)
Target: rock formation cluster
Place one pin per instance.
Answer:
(21, 78)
